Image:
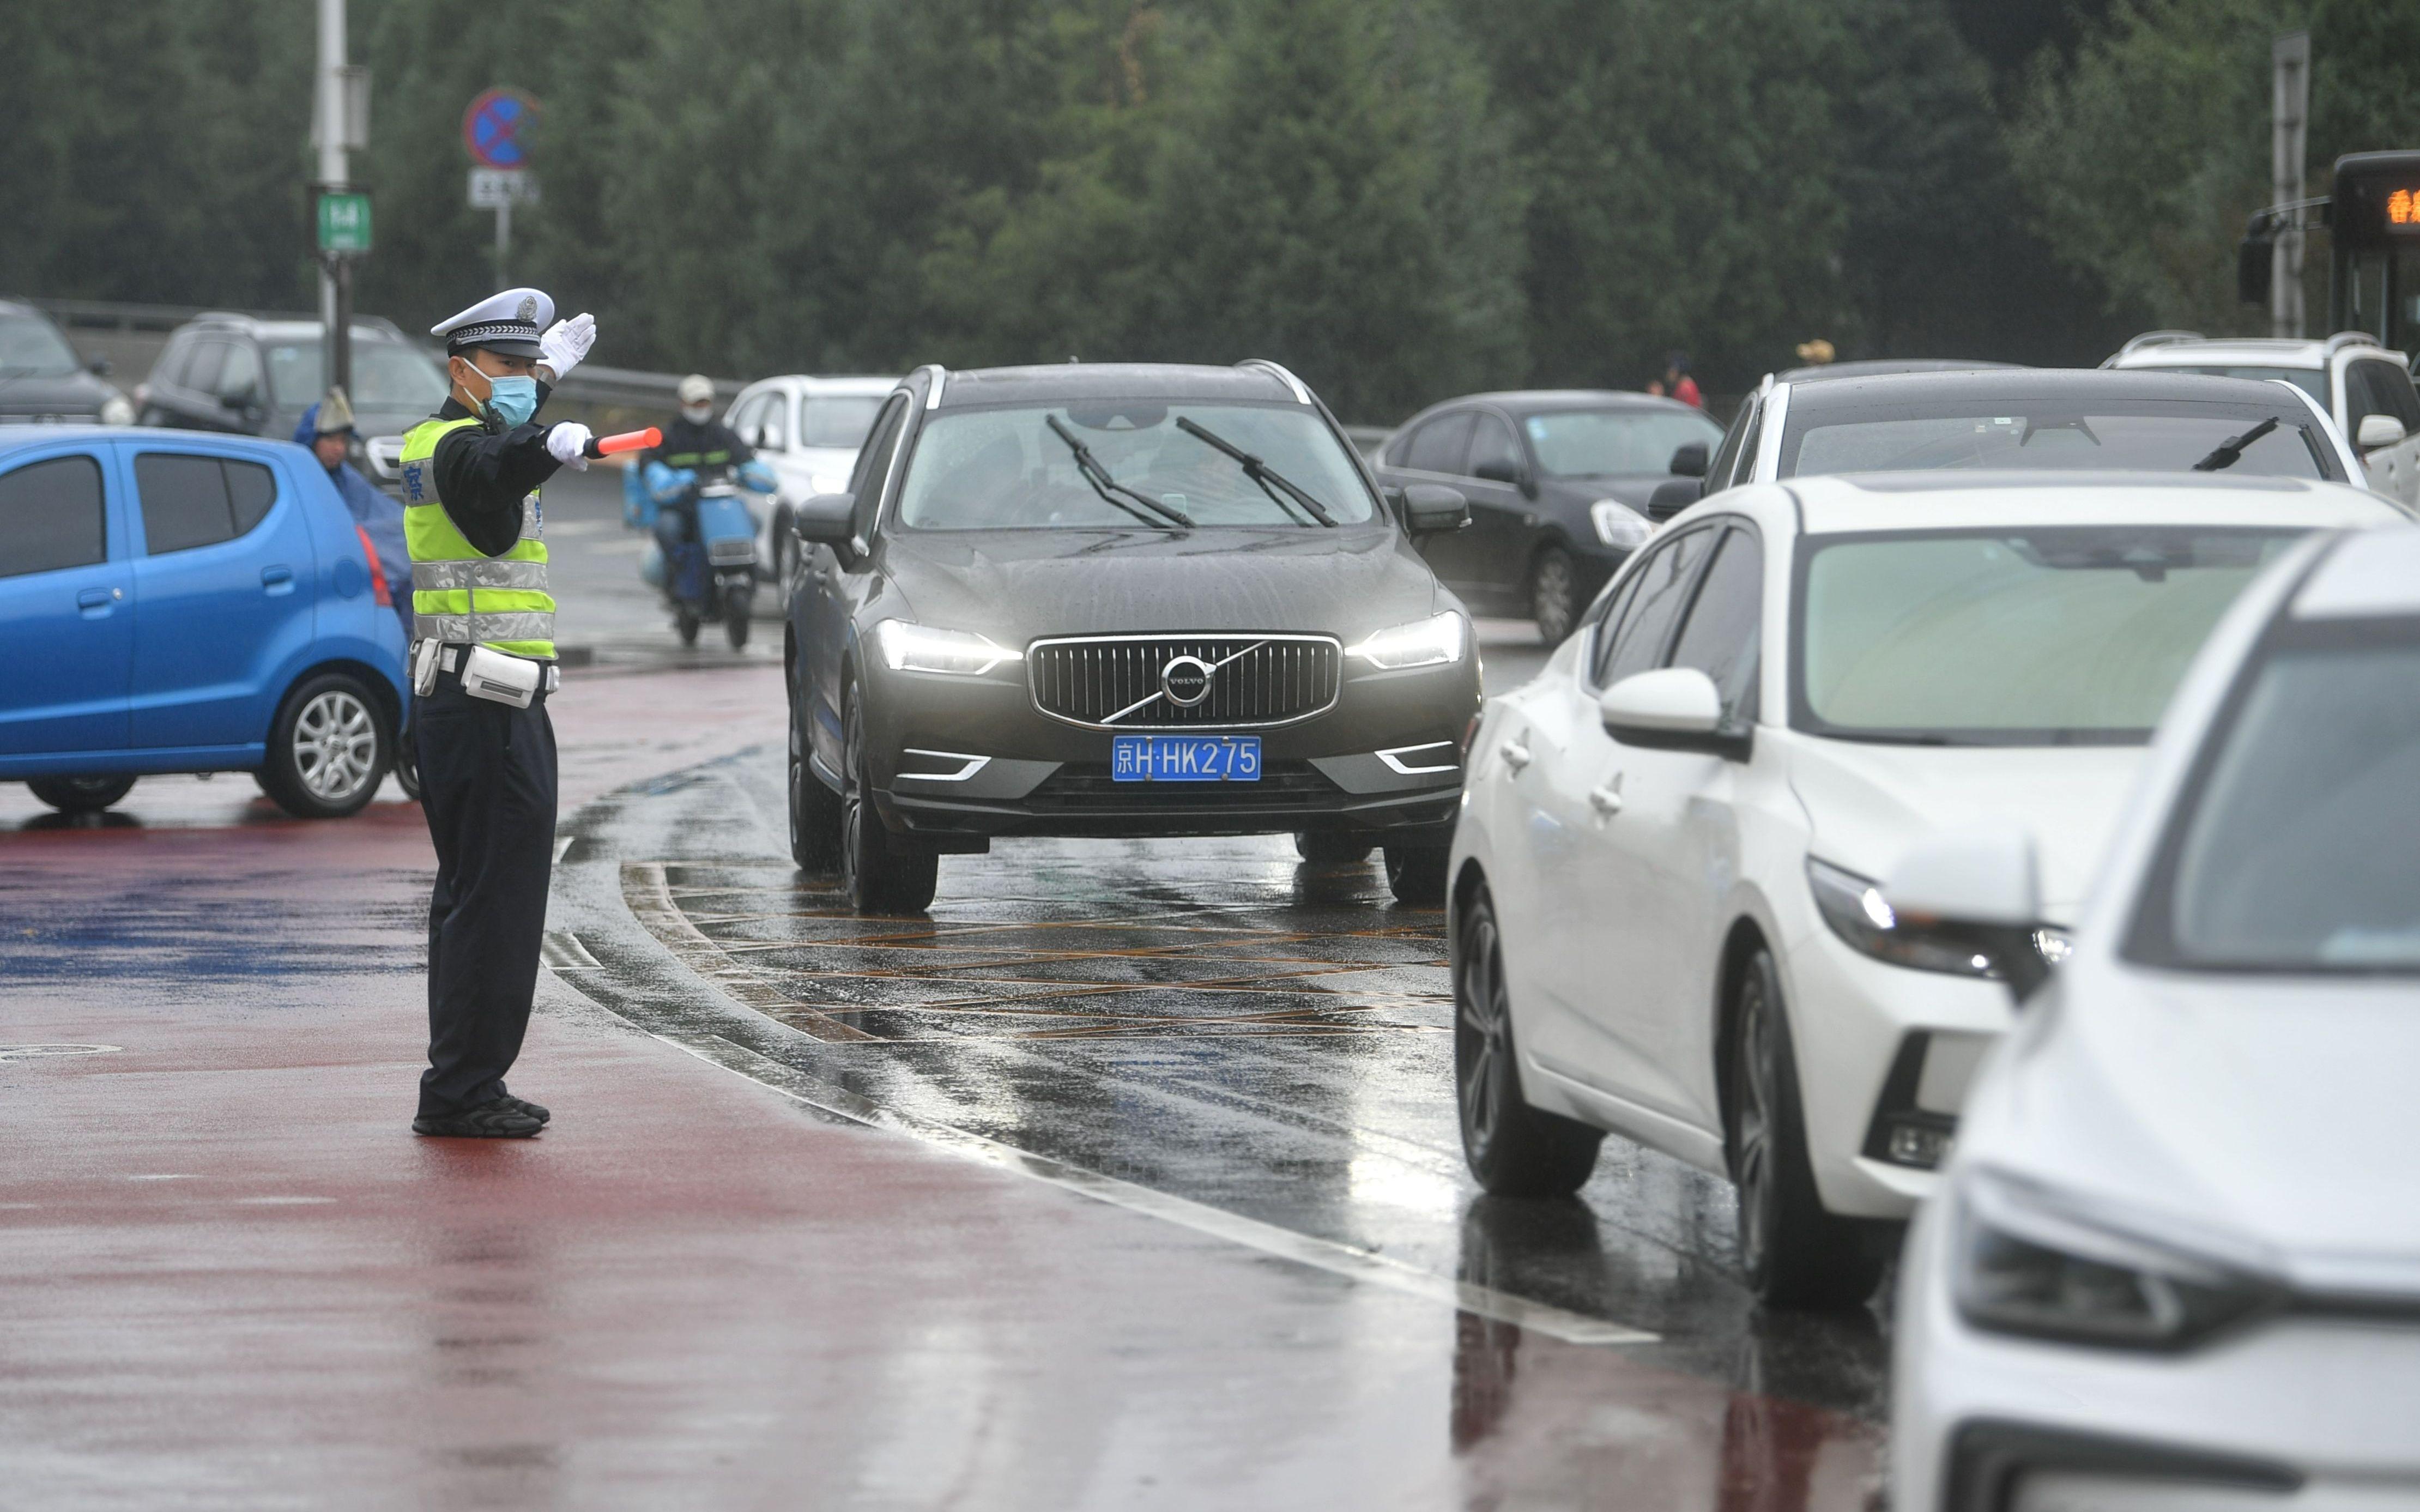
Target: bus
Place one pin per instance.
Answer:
(2373, 224)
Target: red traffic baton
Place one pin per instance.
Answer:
(627, 441)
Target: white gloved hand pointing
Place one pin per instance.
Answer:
(566, 344)
(567, 444)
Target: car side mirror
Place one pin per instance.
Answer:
(1688, 460)
(828, 519)
(242, 403)
(96, 366)
(1497, 470)
(1433, 509)
(1975, 888)
(1672, 497)
(1671, 709)
(2377, 430)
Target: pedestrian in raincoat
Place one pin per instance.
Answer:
(327, 429)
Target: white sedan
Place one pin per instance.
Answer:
(2175, 1262)
(808, 430)
(1665, 919)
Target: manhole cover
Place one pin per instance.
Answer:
(27, 1052)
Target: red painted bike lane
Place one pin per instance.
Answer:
(230, 1278)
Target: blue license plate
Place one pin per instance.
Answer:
(1186, 758)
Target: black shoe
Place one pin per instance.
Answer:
(500, 1119)
(526, 1106)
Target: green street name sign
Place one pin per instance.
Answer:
(344, 222)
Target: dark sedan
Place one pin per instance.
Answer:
(1120, 601)
(43, 380)
(1558, 482)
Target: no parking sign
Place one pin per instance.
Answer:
(492, 127)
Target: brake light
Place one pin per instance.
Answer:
(378, 574)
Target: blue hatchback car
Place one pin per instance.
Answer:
(177, 601)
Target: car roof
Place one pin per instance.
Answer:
(1931, 500)
(2368, 573)
(297, 328)
(1057, 382)
(20, 438)
(1520, 400)
(19, 306)
(1879, 367)
(2249, 352)
(2035, 384)
(847, 385)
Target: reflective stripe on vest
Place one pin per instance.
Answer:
(459, 593)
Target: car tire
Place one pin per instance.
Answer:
(1416, 873)
(786, 555)
(1796, 1253)
(328, 748)
(1331, 849)
(814, 809)
(686, 624)
(79, 795)
(1513, 1150)
(739, 604)
(879, 873)
(406, 767)
(1554, 588)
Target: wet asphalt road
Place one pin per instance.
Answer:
(1208, 1033)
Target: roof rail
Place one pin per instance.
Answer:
(2348, 338)
(2152, 338)
(1277, 371)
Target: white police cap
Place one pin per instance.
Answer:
(508, 323)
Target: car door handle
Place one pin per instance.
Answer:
(95, 602)
(1608, 798)
(1515, 755)
(277, 579)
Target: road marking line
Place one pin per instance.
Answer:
(562, 952)
(649, 899)
(1346, 1260)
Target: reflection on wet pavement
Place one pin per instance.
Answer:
(1208, 1019)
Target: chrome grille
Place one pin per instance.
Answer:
(1113, 682)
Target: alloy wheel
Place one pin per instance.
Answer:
(1479, 1024)
(1753, 1096)
(1550, 596)
(335, 745)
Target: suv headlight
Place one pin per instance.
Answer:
(117, 409)
(1423, 642)
(2025, 1262)
(1858, 914)
(1618, 526)
(910, 647)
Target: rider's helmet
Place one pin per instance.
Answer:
(696, 396)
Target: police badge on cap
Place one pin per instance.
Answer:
(508, 323)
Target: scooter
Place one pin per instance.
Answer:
(713, 575)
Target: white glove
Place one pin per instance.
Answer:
(567, 444)
(566, 344)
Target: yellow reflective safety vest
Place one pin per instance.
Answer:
(459, 595)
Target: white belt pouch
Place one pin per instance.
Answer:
(500, 678)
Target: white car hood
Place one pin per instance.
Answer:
(1868, 803)
(2273, 1110)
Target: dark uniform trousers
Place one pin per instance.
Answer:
(486, 784)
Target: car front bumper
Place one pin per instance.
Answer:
(2299, 1413)
(952, 758)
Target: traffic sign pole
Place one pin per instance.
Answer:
(335, 269)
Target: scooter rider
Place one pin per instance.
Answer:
(482, 665)
(696, 440)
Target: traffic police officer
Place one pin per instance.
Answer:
(482, 663)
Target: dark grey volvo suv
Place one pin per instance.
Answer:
(1120, 599)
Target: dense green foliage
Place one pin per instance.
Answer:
(2185, 83)
(1401, 199)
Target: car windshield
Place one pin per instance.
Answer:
(1596, 442)
(386, 375)
(2298, 847)
(2310, 381)
(2063, 636)
(2051, 435)
(1008, 469)
(30, 348)
(838, 420)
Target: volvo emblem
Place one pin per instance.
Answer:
(1185, 680)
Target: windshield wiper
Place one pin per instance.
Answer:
(2231, 452)
(1110, 488)
(1259, 471)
